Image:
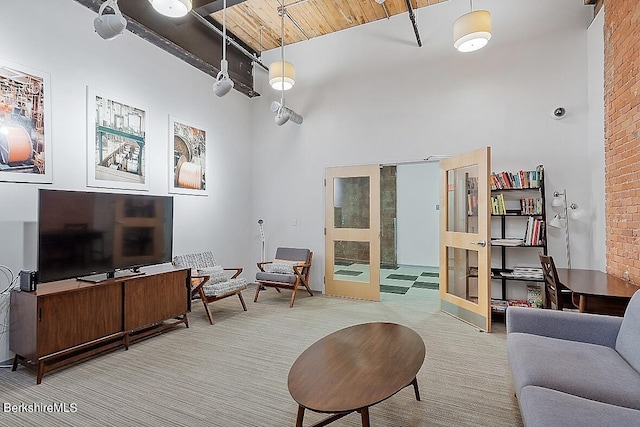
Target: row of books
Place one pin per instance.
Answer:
(497, 205)
(531, 206)
(523, 273)
(520, 179)
(535, 233)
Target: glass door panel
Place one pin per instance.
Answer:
(464, 236)
(352, 243)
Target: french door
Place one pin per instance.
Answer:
(465, 251)
(352, 228)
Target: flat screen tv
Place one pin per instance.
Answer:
(94, 236)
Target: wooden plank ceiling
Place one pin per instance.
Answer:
(257, 22)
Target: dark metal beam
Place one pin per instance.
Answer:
(412, 16)
(187, 39)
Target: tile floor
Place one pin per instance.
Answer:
(398, 280)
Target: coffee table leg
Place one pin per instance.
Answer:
(364, 412)
(300, 416)
(415, 388)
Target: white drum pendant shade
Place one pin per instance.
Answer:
(472, 31)
(276, 69)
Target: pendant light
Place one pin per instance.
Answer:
(223, 83)
(283, 113)
(172, 8)
(282, 74)
(472, 31)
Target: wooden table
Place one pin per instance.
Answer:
(354, 368)
(597, 292)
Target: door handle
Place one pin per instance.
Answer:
(480, 243)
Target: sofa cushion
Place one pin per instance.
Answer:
(628, 342)
(586, 370)
(543, 407)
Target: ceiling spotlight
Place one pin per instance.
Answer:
(223, 84)
(472, 31)
(109, 26)
(284, 114)
(172, 8)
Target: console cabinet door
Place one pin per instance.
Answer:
(71, 318)
(154, 298)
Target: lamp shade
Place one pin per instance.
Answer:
(172, 8)
(276, 70)
(558, 200)
(472, 31)
(555, 222)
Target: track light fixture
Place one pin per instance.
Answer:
(172, 8)
(223, 83)
(110, 25)
(284, 114)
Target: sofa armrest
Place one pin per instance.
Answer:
(567, 325)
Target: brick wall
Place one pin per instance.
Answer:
(622, 136)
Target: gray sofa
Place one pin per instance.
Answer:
(575, 369)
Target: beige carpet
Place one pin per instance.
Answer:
(235, 372)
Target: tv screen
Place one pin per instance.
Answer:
(86, 233)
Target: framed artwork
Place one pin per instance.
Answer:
(117, 155)
(25, 124)
(187, 158)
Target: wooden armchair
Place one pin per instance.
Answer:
(290, 269)
(556, 295)
(209, 281)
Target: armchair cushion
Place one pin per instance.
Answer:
(276, 277)
(222, 288)
(215, 273)
(281, 266)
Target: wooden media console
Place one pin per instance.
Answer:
(66, 321)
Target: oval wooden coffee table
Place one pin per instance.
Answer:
(355, 368)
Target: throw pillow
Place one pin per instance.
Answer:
(281, 266)
(216, 274)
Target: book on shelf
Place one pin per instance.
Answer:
(535, 232)
(498, 206)
(534, 273)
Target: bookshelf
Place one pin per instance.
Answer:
(518, 208)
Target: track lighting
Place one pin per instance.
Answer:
(109, 26)
(284, 114)
(223, 83)
(172, 8)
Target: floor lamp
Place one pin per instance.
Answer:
(262, 247)
(560, 220)
(560, 200)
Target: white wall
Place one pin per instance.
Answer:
(595, 130)
(58, 38)
(370, 95)
(418, 221)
